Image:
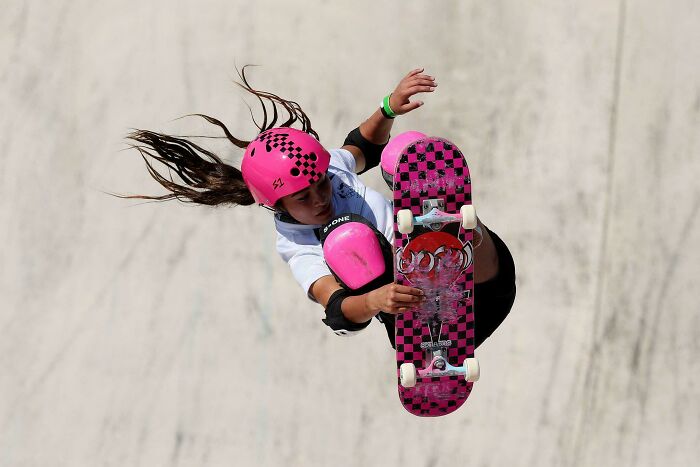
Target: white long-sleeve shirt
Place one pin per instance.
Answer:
(298, 245)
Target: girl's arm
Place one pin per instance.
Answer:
(375, 130)
(390, 298)
(377, 127)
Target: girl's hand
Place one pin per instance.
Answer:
(394, 298)
(413, 83)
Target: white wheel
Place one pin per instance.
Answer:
(404, 218)
(468, 216)
(407, 373)
(471, 368)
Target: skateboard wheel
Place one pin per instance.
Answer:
(471, 369)
(468, 216)
(407, 373)
(404, 219)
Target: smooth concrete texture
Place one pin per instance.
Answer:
(164, 334)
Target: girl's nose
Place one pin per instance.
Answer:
(318, 199)
(319, 202)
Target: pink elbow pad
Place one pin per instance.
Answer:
(355, 252)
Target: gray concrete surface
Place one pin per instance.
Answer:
(145, 334)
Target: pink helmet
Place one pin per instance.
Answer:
(392, 151)
(282, 161)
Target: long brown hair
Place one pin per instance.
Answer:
(206, 179)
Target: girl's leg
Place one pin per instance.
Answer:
(485, 255)
(494, 292)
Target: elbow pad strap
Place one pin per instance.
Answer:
(371, 151)
(336, 320)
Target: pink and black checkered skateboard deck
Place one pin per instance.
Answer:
(438, 259)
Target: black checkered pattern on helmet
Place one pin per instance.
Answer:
(284, 143)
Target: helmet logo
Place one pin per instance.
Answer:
(277, 183)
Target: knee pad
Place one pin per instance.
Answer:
(357, 254)
(392, 151)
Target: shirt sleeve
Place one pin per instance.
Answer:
(389, 222)
(304, 255)
(342, 158)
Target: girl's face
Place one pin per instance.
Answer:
(312, 205)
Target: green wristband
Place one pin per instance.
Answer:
(387, 108)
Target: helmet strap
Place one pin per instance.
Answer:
(268, 208)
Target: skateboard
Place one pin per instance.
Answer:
(433, 237)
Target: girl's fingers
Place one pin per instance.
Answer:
(405, 289)
(421, 79)
(413, 91)
(411, 106)
(405, 308)
(407, 298)
(416, 89)
(417, 82)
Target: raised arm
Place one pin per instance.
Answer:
(367, 141)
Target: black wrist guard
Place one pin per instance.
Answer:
(335, 318)
(371, 151)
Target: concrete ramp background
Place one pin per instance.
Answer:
(146, 334)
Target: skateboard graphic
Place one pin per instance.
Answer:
(433, 238)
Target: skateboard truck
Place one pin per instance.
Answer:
(438, 366)
(435, 353)
(432, 208)
(434, 217)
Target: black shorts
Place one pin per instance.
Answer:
(493, 299)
